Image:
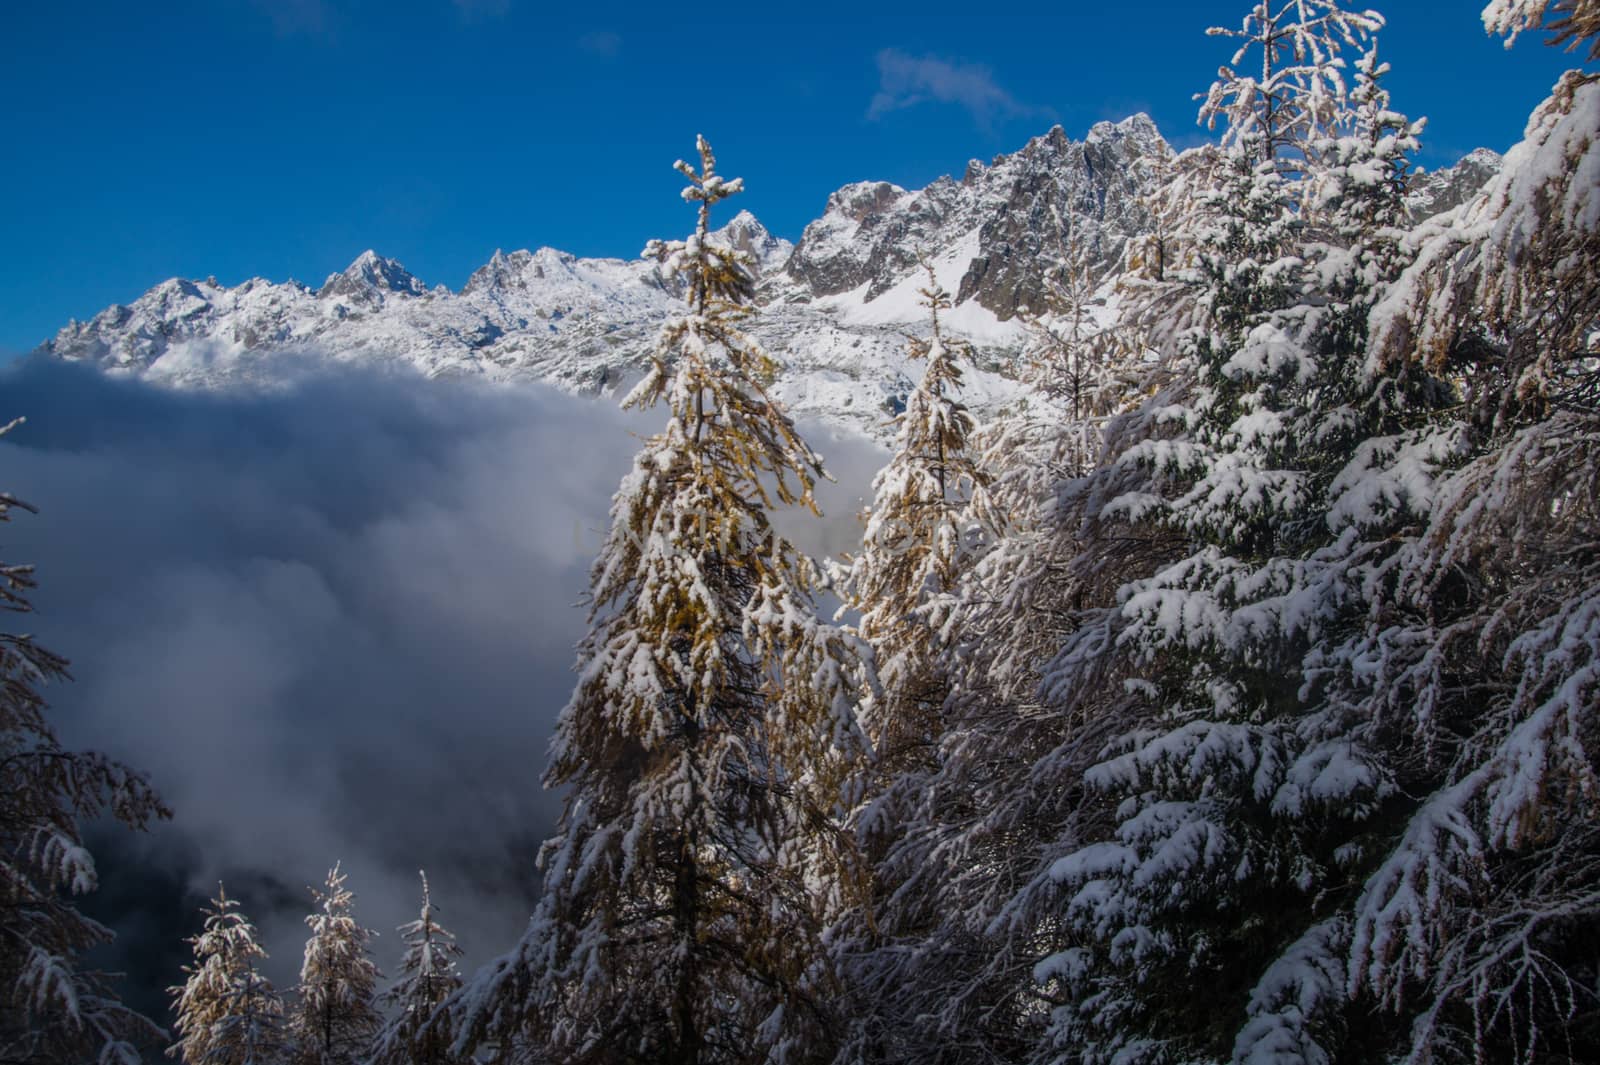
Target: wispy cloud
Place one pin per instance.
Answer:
(602, 43)
(906, 80)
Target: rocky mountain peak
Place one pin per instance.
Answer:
(746, 233)
(501, 272)
(1440, 190)
(1005, 221)
(861, 200)
(370, 280)
(1137, 127)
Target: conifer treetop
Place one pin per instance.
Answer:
(928, 501)
(336, 1019)
(936, 298)
(431, 950)
(419, 1032)
(1300, 94)
(228, 1013)
(717, 276)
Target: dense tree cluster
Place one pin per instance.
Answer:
(1236, 699)
(228, 1013)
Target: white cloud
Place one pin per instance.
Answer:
(906, 80)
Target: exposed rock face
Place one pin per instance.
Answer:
(748, 235)
(869, 233)
(1050, 193)
(1440, 190)
(370, 280)
(1021, 208)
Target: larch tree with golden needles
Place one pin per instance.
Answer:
(711, 742)
(928, 507)
(228, 1012)
(336, 1017)
(930, 516)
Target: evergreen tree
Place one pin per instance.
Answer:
(1322, 799)
(51, 1007)
(711, 740)
(1218, 838)
(929, 519)
(335, 1018)
(1477, 923)
(926, 522)
(418, 1031)
(228, 1013)
(1299, 97)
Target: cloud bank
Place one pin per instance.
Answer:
(333, 622)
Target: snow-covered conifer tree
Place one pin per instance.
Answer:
(1155, 297)
(1216, 840)
(712, 737)
(928, 516)
(929, 519)
(1299, 97)
(228, 1013)
(1476, 919)
(418, 1031)
(1073, 358)
(52, 1008)
(335, 1016)
(1152, 254)
(1570, 22)
(1310, 774)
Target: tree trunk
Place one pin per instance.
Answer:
(685, 919)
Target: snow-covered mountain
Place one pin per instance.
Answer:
(1439, 190)
(834, 306)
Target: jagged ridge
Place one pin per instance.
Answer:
(834, 305)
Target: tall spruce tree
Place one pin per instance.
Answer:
(418, 1031)
(228, 1012)
(711, 740)
(1349, 759)
(52, 1007)
(335, 1017)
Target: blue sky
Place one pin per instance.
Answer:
(280, 138)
